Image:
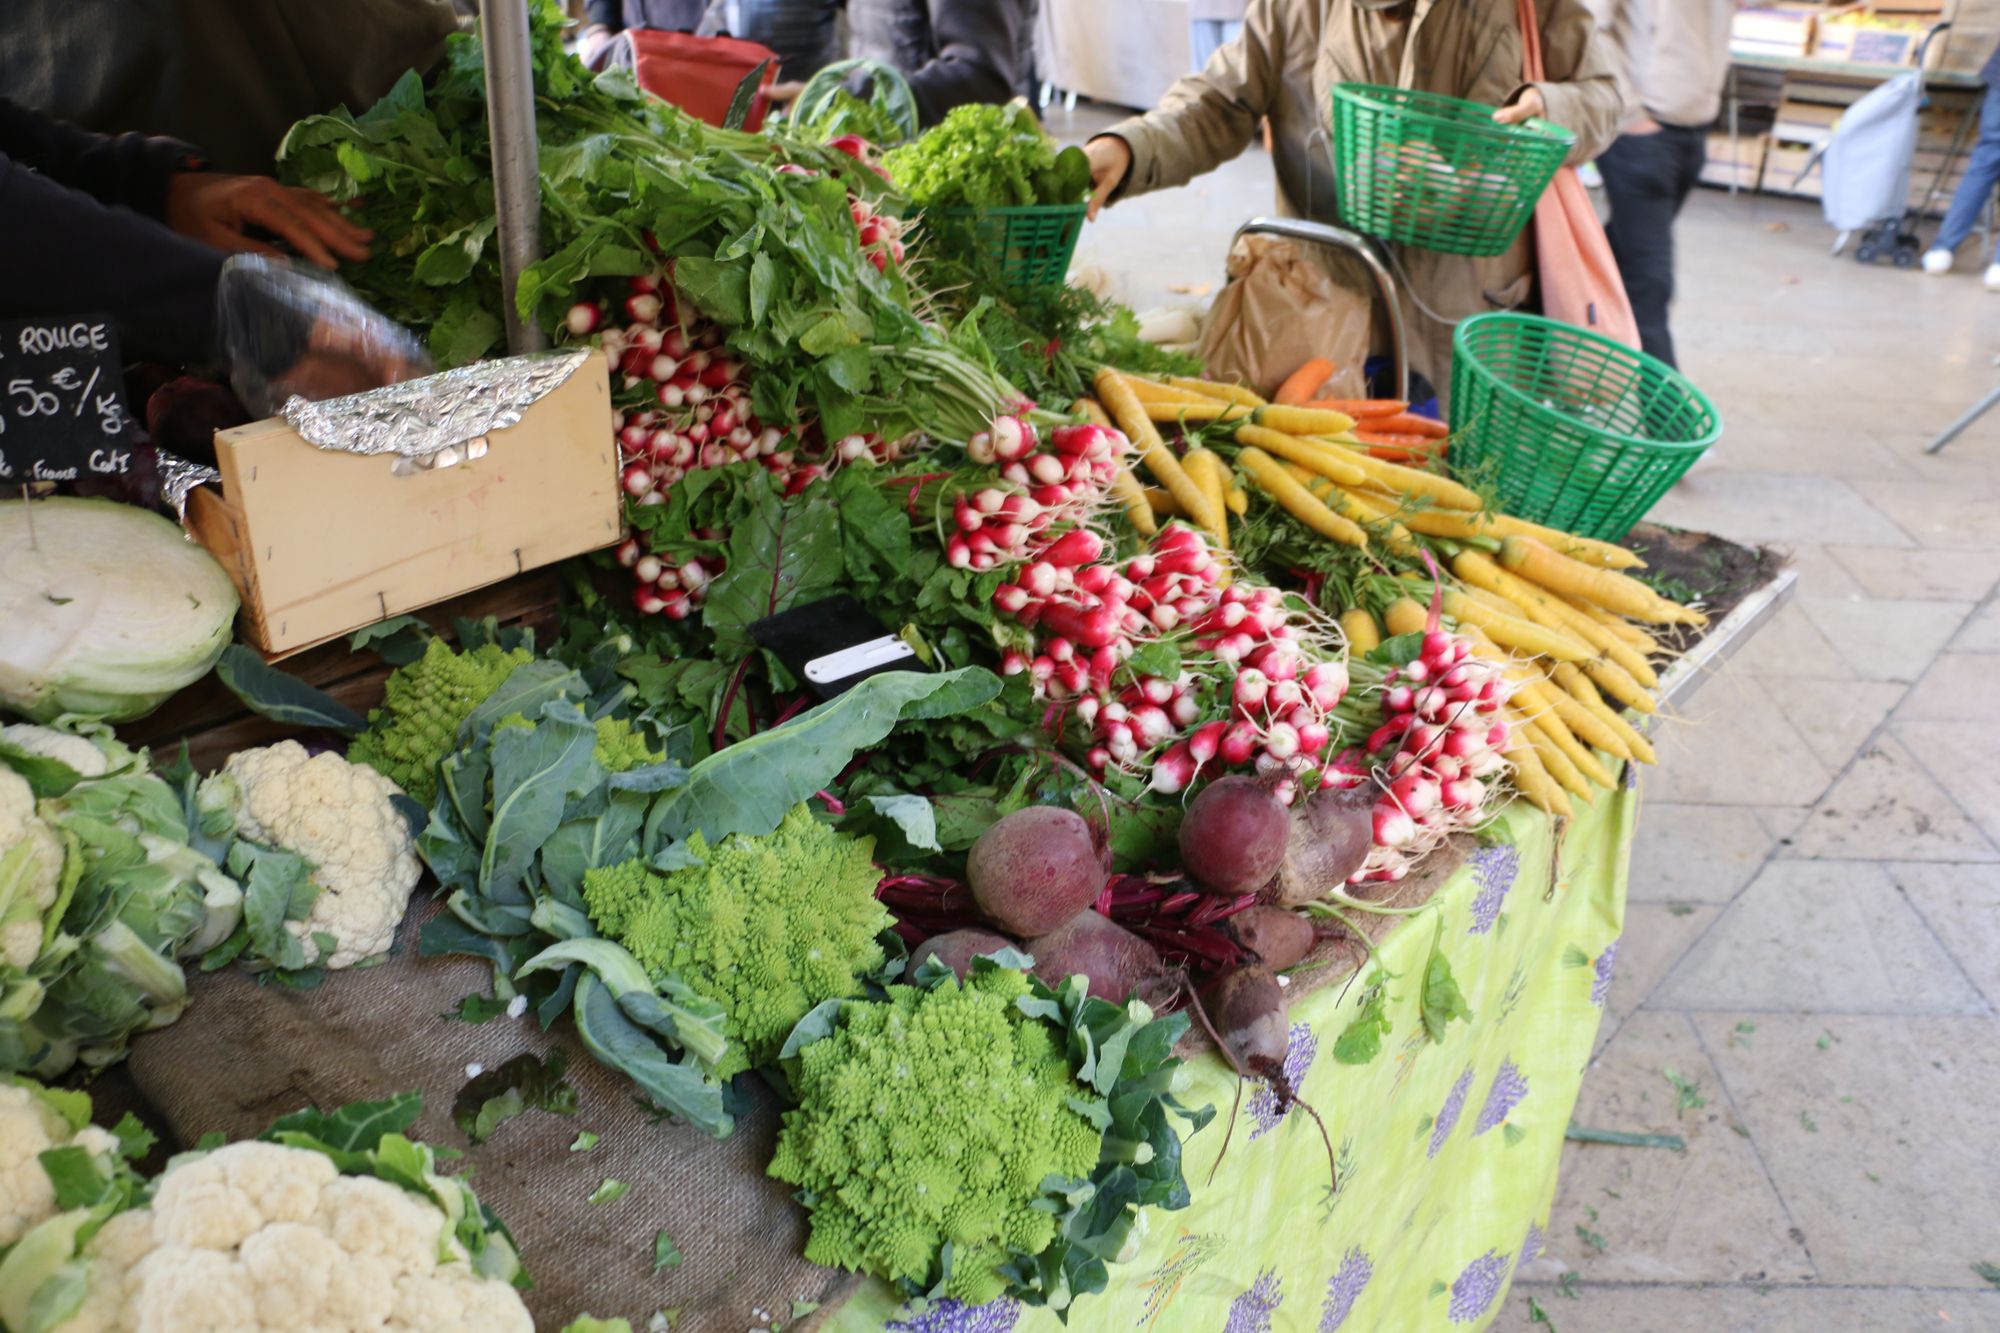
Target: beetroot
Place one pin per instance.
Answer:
(1116, 961)
(1278, 937)
(1234, 836)
(957, 948)
(1035, 869)
(1331, 834)
(1247, 1007)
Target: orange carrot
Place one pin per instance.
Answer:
(1361, 407)
(1399, 448)
(1405, 423)
(1300, 386)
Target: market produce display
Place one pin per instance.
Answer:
(1189, 683)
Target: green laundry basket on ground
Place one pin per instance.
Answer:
(1438, 172)
(1032, 245)
(1572, 429)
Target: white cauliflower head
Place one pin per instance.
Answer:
(341, 819)
(29, 1126)
(259, 1238)
(31, 864)
(79, 752)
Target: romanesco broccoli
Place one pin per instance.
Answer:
(766, 927)
(620, 746)
(935, 1118)
(417, 724)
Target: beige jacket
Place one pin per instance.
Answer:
(1284, 67)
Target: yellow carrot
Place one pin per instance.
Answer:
(1152, 391)
(1604, 587)
(1238, 501)
(1633, 634)
(1297, 500)
(1138, 511)
(1092, 411)
(1397, 479)
(1195, 414)
(1161, 503)
(1550, 611)
(1363, 634)
(1459, 523)
(1304, 420)
(1558, 764)
(1586, 694)
(1523, 636)
(1229, 393)
(1212, 476)
(1404, 616)
(1350, 505)
(1328, 463)
(1531, 777)
(1159, 460)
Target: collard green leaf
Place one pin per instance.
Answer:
(1442, 999)
(399, 640)
(912, 815)
(748, 787)
(615, 1040)
(536, 771)
(281, 696)
(526, 690)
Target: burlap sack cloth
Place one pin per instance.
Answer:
(246, 1054)
(1286, 303)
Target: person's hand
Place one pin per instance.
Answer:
(591, 44)
(1110, 158)
(787, 92)
(219, 210)
(1523, 108)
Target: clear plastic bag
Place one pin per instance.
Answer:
(290, 330)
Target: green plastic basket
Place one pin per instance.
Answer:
(1572, 429)
(1439, 172)
(1032, 245)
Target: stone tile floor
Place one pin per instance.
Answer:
(1813, 943)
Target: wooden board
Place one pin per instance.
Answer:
(321, 542)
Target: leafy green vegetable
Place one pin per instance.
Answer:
(281, 696)
(987, 156)
(1442, 999)
(1361, 1040)
(585, 1140)
(666, 1254)
(608, 1191)
(825, 110)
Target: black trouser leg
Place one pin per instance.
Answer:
(1647, 177)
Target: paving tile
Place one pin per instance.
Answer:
(1836, 717)
(1920, 1120)
(1981, 633)
(1809, 450)
(1952, 690)
(1946, 576)
(1657, 936)
(1783, 821)
(1960, 754)
(1887, 808)
(1961, 903)
(1695, 853)
(1733, 746)
(1790, 647)
(1704, 1215)
(1820, 575)
(1771, 507)
(1938, 513)
(1612, 1308)
(1820, 935)
(1885, 640)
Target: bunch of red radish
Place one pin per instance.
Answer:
(1443, 735)
(664, 587)
(1077, 466)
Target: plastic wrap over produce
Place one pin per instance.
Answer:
(290, 331)
(439, 420)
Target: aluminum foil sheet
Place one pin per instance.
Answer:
(178, 478)
(438, 420)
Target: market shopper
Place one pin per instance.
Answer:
(1284, 67)
(1673, 56)
(952, 51)
(137, 228)
(1975, 187)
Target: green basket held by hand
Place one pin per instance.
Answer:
(1572, 430)
(1032, 245)
(1439, 172)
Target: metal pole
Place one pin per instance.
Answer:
(1956, 428)
(517, 188)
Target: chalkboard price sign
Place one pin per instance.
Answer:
(62, 400)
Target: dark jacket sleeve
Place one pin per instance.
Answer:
(63, 252)
(127, 169)
(980, 48)
(604, 13)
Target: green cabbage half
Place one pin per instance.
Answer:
(107, 609)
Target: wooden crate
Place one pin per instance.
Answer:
(215, 724)
(320, 542)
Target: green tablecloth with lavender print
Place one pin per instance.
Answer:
(1447, 1151)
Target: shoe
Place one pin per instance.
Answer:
(1993, 277)
(1937, 263)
